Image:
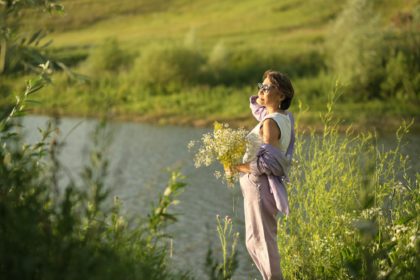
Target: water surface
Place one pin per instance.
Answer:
(140, 155)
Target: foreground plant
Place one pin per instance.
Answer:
(354, 208)
(50, 230)
(228, 241)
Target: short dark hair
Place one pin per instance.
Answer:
(283, 83)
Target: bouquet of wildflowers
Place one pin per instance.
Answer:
(225, 145)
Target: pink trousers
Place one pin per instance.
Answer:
(261, 225)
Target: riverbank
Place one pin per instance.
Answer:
(200, 106)
(306, 121)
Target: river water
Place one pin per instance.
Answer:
(140, 155)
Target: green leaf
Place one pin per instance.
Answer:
(35, 37)
(33, 101)
(169, 217)
(34, 89)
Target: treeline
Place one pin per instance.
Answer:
(372, 60)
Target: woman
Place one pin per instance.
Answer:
(264, 169)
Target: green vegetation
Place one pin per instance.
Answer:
(354, 208)
(51, 231)
(354, 213)
(186, 62)
(226, 268)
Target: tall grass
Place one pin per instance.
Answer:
(354, 208)
(224, 269)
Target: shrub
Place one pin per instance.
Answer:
(356, 48)
(399, 81)
(108, 58)
(402, 78)
(312, 89)
(168, 66)
(246, 66)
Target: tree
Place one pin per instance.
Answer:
(356, 49)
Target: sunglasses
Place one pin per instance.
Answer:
(265, 88)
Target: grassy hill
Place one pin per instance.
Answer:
(262, 24)
(243, 37)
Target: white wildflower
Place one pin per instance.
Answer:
(413, 239)
(191, 144)
(208, 160)
(399, 187)
(224, 144)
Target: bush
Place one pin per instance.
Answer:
(356, 48)
(373, 61)
(168, 66)
(402, 78)
(399, 81)
(312, 89)
(247, 66)
(108, 58)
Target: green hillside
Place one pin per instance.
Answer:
(261, 24)
(180, 61)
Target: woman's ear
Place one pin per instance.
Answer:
(282, 96)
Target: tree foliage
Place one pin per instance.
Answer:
(373, 60)
(356, 46)
(19, 50)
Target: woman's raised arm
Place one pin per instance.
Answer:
(258, 111)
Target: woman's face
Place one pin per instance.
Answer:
(269, 94)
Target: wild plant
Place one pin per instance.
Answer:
(228, 240)
(354, 207)
(49, 230)
(224, 145)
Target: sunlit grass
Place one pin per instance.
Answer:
(255, 24)
(349, 200)
(212, 21)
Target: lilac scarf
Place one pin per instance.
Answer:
(272, 162)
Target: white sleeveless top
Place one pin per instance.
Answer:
(283, 122)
